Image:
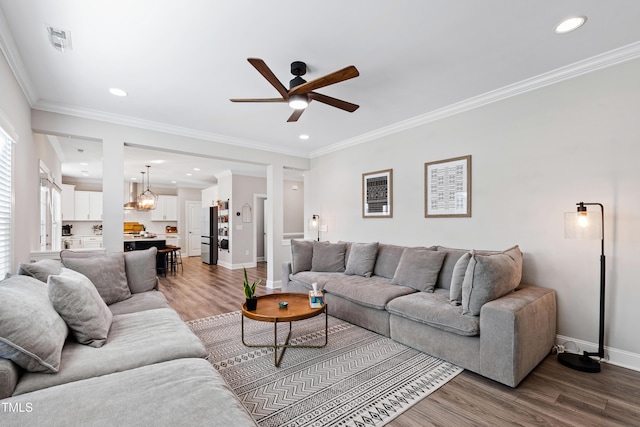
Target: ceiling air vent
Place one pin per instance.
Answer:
(59, 38)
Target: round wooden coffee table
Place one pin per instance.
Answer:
(269, 310)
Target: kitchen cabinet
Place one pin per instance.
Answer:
(68, 202)
(88, 205)
(92, 242)
(166, 210)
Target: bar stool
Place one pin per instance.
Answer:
(176, 258)
(164, 254)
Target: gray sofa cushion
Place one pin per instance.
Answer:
(9, 374)
(328, 257)
(301, 255)
(308, 277)
(106, 272)
(418, 269)
(374, 292)
(42, 269)
(135, 339)
(32, 333)
(186, 392)
(78, 302)
(457, 277)
(140, 269)
(139, 302)
(387, 260)
(433, 309)
(489, 277)
(361, 259)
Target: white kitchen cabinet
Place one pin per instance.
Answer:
(88, 205)
(92, 242)
(167, 209)
(68, 202)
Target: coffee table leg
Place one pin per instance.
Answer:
(277, 358)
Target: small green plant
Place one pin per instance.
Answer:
(249, 289)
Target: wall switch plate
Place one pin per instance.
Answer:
(246, 252)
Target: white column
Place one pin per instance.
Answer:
(275, 203)
(112, 193)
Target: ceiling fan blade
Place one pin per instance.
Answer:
(334, 102)
(257, 100)
(266, 72)
(335, 77)
(296, 115)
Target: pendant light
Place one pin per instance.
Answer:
(147, 200)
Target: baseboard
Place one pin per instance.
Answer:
(260, 259)
(274, 284)
(613, 356)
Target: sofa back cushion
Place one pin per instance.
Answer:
(418, 269)
(387, 260)
(140, 269)
(489, 277)
(301, 255)
(41, 270)
(457, 277)
(361, 258)
(32, 333)
(328, 257)
(106, 272)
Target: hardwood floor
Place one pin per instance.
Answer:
(552, 395)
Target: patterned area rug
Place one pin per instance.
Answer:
(359, 379)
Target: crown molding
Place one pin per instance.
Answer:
(595, 63)
(161, 127)
(10, 51)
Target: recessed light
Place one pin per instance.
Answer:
(304, 136)
(196, 169)
(189, 174)
(173, 182)
(84, 164)
(157, 162)
(570, 24)
(85, 173)
(117, 92)
(134, 179)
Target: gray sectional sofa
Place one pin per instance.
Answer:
(91, 341)
(464, 306)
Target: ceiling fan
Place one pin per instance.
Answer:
(301, 92)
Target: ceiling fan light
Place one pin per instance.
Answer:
(298, 102)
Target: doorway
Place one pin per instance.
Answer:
(194, 212)
(260, 240)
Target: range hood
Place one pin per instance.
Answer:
(132, 204)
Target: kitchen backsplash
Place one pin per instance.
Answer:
(85, 228)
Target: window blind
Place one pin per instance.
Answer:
(6, 145)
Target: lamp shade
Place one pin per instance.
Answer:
(583, 225)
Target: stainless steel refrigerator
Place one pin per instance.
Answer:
(209, 235)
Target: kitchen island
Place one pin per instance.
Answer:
(141, 243)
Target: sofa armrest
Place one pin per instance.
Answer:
(9, 374)
(517, 331)
(286, 271)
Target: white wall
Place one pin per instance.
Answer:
(16, 109)
(534, 157)
(293, 198)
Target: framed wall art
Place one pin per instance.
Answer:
(447, 188)
(377, 194)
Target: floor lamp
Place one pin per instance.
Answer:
(584, 225)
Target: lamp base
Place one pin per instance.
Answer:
(579, 362)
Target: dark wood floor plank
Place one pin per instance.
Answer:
(552, 395)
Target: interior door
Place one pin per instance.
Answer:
(194, 214)
(264, 234)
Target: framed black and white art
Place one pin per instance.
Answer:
(377, 194)
(447, 188)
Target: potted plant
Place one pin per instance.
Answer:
(250, 291)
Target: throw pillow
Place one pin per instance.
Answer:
(418, 269)
(140, 268)
(489, 277)
(328, 257)
(41, 270)
(362, 259)
(301, 255)
(106, 272)
(457, 277)
(32, 333)
(387, 260)
(80, 305)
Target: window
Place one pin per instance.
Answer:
(6, 144)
